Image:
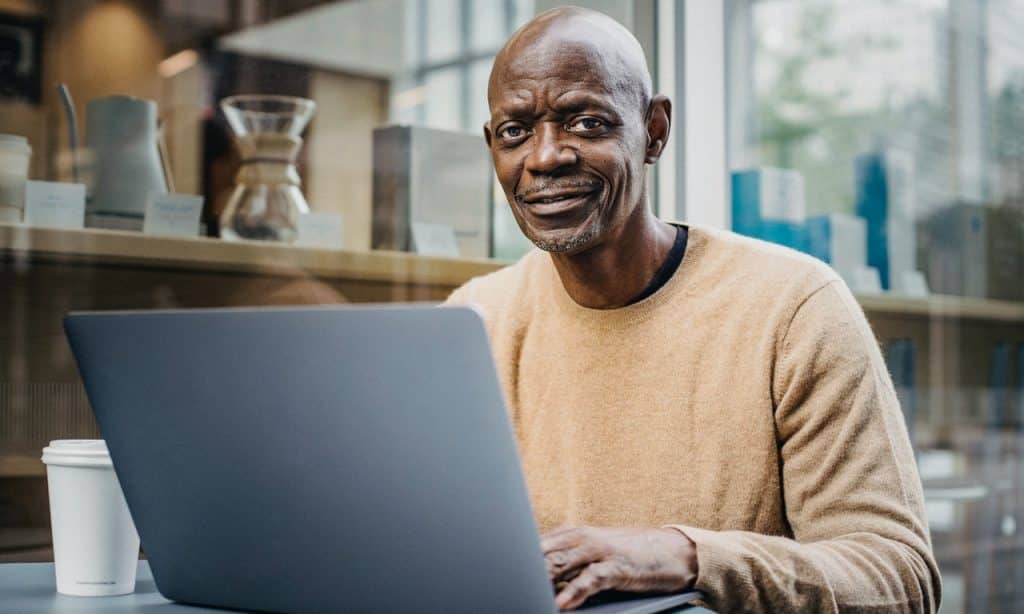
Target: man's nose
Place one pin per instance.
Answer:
(550, 151)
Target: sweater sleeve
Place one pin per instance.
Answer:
(852, 494)
(460, 296)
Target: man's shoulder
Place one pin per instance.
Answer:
(759, 267)
(505, 286)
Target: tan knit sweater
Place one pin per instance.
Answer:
(745, 402)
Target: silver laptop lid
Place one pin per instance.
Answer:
(316, 459)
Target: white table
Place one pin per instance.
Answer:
(30, 588)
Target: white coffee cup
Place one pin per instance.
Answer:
(15, 153)
(95, 545)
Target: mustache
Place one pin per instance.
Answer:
(559, 185)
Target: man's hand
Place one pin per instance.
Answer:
(583, 561)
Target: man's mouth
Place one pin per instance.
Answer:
(558, 200)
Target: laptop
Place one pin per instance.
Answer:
(342, 459)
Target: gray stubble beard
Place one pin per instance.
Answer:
(573, 244)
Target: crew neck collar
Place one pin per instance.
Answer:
(640, 310)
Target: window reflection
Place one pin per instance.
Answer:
(367, 65)
(899, 124)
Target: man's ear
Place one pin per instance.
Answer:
(659, 124)
(487, 134)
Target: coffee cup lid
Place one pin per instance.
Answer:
(14, 142)
(79, 452)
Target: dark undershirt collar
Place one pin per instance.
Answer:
(668, 268)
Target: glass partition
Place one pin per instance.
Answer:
(227, 153)
(884, 137)
(159, 154)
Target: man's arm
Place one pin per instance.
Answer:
(852, 493)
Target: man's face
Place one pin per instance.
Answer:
(568, 139)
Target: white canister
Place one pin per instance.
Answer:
(15, 153)
(95, 545)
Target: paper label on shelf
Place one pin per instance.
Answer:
(174, 215)
(320, 230)
(57, 205)
(431, 239)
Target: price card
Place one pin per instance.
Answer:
(434, 239)
(57, 205)
(320, 230)
(174, 215)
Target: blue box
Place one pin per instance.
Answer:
(885, 195)
(899, 358)
(768, 204)
(873, 206)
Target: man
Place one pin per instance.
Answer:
(693, 409)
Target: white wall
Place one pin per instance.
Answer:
(340, 150)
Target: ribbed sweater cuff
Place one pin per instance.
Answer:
(715, 560)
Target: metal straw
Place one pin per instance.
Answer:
(69, 112)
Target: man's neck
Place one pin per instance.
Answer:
(611, 274)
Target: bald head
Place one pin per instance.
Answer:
(575, 40)
(572, 126)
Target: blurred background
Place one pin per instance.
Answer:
(275, 152)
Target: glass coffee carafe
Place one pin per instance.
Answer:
(267, 200)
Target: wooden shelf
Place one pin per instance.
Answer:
(14, 466)
(942, 306)
(121, 248)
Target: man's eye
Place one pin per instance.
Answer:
(585, 124)
(512, 132)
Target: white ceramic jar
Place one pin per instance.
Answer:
(15, 154)
(121, 134)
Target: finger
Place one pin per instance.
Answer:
(562, 564)
(568, 577)
(592, 580)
